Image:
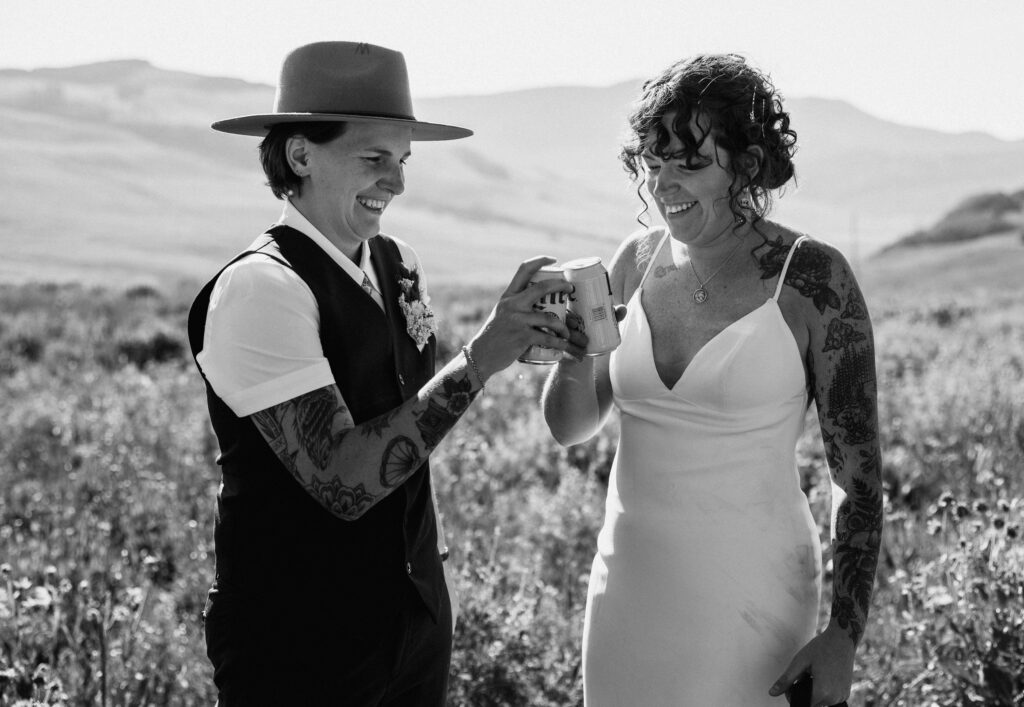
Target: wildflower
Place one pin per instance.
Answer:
(934, 527)
(1012, 532)
(5, 570)
(946, 499)
(41, 674)
(135, 596)
(980, 507)
(38, 598)
(962, 511)
(998, 523)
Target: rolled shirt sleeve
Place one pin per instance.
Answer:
(261, 344)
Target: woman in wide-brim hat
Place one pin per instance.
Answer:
(317, 347)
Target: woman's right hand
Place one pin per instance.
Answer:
(514, 324)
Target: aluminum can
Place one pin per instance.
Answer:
(592, 302)
(555, 305)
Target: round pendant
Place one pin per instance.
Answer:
(700, 295)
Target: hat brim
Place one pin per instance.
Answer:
(259, 125)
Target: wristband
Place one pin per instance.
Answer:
(472, 364)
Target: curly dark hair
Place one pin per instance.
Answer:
(280, 177)
(744, 109)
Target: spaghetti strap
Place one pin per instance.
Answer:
(785, 266)
(654, 256)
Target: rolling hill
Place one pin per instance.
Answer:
(112, 174)
(976, 217)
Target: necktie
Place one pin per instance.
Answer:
(372, 291)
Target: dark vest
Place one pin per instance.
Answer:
(276, 546)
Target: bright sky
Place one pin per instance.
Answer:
(953, 65)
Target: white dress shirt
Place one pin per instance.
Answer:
(261, 345)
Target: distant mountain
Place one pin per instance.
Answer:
(976, 217)
(112, 173)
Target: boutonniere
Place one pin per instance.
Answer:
(415, 305)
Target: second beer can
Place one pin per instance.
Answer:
(591, 301)
(554, 304)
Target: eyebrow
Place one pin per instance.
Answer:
(385, 151)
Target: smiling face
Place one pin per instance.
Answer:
(349, 182)
(691, 192)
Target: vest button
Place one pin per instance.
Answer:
(408, 568)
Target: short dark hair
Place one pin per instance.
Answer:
(744, 110)
(280, 177)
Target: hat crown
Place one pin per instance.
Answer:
(342, 81)
(352, 78)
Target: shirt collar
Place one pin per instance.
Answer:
(293, 218)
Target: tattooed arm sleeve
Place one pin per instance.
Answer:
(348, 468)
(841, 370)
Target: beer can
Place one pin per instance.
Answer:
(591, 301)
(554, 304)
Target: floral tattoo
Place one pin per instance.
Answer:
(841, 374)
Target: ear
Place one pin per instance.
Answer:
(751, 160)
(297, 151)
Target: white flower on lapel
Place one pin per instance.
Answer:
(420, 322)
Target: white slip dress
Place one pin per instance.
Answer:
(707, 576)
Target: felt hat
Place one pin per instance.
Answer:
(342, 81)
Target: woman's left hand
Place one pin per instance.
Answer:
(828, 657)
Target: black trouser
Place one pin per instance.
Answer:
(376, 657)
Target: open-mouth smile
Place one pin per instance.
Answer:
(375, 205)
(672, 209)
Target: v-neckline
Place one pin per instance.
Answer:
(686, 369)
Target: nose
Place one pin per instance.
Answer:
(661, 183)
(394, 179)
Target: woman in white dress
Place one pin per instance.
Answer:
(706, 583)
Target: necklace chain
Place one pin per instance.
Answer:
(700, 295)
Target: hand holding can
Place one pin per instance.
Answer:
(591, 301)
(554, 304)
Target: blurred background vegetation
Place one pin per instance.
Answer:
(107, 487)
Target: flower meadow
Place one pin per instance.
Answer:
(107, 486)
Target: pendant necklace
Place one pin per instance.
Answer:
(700, 295)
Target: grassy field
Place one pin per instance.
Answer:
(107, 484)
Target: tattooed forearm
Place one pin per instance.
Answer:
(347, 502)
(444, 408)
(858, 531)
(841, 375)
(850, 436)
(400, 460)
(833, 452)
(378, 425)
(347, 474)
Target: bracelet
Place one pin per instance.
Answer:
(472, 364)
(444, 554)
